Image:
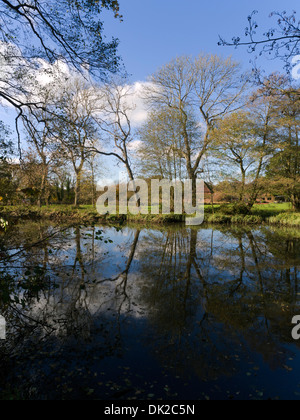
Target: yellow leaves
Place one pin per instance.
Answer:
(3, 224)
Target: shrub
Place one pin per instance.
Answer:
(237, 220)
(247, 220)
(233, 209)
(3, 224)
(218, 218)
(253, 220)
(285, 219)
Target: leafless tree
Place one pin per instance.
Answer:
(206, 89)
(115, 105)
(76, 130)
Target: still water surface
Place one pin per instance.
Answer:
(143, 313)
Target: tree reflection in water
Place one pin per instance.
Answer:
(103, 313)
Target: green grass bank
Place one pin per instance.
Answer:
(270, 214)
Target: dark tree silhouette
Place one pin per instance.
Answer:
(282, 41)
(69, 31)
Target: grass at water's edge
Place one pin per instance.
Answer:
(278, 215)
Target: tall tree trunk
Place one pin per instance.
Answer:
(77, 188)
(212, 202)
(129, 171)
(296, 202)
(43, 185)
(255, 185)
(243, 190)
(93, 188)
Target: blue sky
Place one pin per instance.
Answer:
(155, 31)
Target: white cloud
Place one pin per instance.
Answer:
(132, 102)
(23, 80)
(134, 146)
(140, 113)
(51, 73)
(39, 74)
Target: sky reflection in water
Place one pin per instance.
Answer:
(169, 313)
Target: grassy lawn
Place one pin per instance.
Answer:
(278, 208)
(274, 207)
(66, 207)
(271, 210)
(272, 214)
(63, 213)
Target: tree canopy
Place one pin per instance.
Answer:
(280, 41)
(36, 32)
